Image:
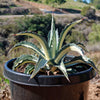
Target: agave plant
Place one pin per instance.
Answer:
(52, 53)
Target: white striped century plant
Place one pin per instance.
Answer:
(51, 56)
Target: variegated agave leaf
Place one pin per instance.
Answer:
(66, 49)
(53, 39)
(80, 59)
(63, 69)
(29, 69)
(49, 38)
(65, 32)
(40, 64)
(82, 46)
(53, 46)
(28, 45)
(23, 59)
(90, 62)
(57, 39)
(52, 32)
(42, 42)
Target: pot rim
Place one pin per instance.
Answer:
(45, 80)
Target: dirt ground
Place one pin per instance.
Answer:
(94, 89)
(34, 4)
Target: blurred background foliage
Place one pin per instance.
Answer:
(94, 36)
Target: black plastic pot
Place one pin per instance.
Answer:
(53, 87)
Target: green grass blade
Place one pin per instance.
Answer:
(65, 32)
